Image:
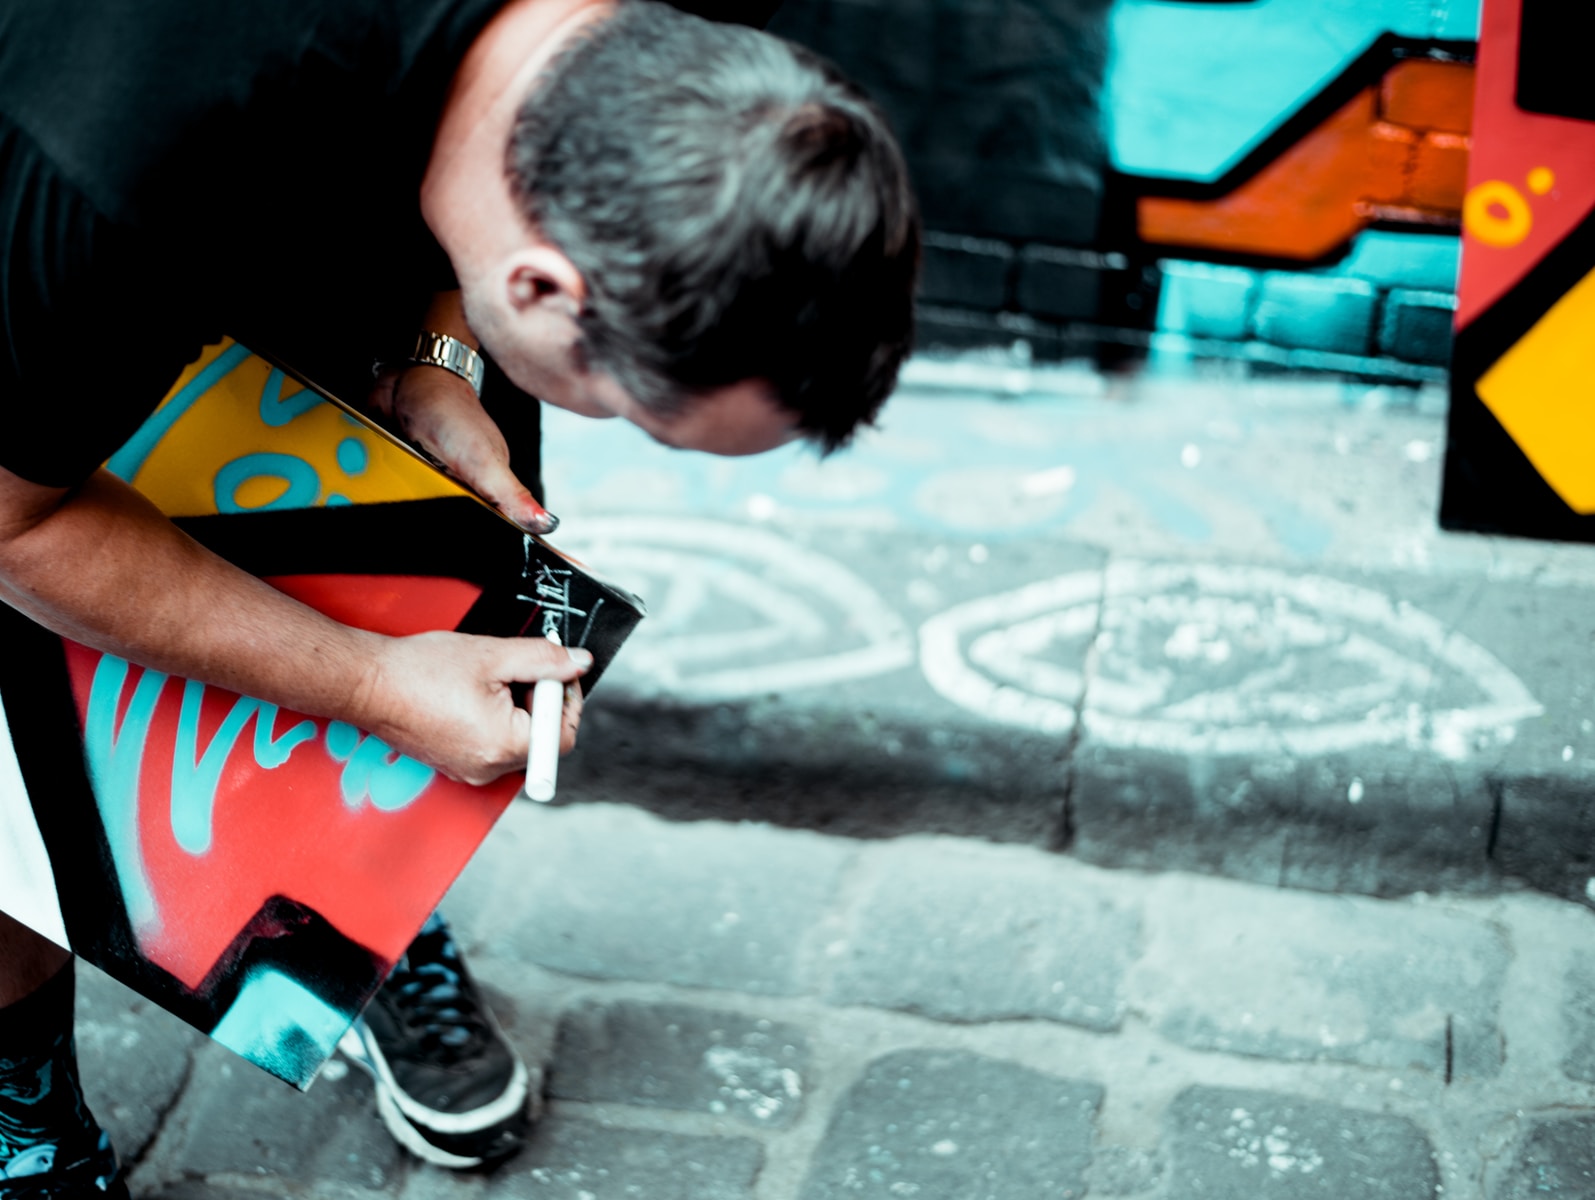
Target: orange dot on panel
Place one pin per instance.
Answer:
(1541, 180)
(1496, 213)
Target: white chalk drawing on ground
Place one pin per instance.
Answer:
(736, 612)
(1223, 660)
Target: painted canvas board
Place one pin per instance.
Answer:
(1520, 457)
(256, 871)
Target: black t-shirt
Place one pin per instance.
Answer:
(173, 171)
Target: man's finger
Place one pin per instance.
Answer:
(443, 415)
(573, 718)
(495, 483)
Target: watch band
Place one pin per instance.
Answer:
(441, 350)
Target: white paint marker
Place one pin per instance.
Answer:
(548, 712)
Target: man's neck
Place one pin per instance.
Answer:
(465, 198)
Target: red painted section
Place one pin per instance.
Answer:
(288, 831)
(393, 604)
(1508, 143)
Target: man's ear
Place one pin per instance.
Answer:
(541, 275)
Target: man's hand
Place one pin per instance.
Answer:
(100, 564)
(446, 698)
(440, 413)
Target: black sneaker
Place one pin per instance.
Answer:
(36, 1175)
(449, 1086)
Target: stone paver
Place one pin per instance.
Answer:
(207, 1189)
(721, 906)
(584, 1160)
(671, 1056)
(1265, 1044)
(1229, 1144)
(1288, 975)
(1555, 1159)
(941, 932)
(135, 1058)
(953, 1126)
(1279, 819)
(236, 1120)
(1578, 1016)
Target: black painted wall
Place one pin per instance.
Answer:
(997, 105)
(1029, 233)
(995, 101)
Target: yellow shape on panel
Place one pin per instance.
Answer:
(237, 435)
(1542, 391)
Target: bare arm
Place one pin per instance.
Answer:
(102, 566)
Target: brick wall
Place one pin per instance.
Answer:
(1051, 216)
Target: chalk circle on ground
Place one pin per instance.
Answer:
(735, 611)
(1187, 657)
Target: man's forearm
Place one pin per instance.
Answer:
(102, 566)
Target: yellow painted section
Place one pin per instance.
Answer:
(1542, 391)
(211, 460)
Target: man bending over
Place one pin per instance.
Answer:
(621, 209)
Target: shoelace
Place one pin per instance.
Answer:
(433, 1001)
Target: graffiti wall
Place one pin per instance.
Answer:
(1521, 452)
(1273, 173)
(257, 871)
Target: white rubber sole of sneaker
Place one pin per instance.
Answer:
(410, 1138)
(508, 1103)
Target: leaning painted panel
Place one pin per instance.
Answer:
(258, 871)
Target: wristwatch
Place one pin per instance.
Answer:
(441, 350)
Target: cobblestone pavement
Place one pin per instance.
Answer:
(1086, 787)
(739, 1012)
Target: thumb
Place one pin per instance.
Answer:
(528, 659)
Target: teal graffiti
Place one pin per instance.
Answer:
(115, 756)
(342, 739)
(130, 459)
(194, 782)
(353, 456)
(271, 752)
(304, 485)
(376, 771)
(277, 412)
(196, 775)
(115, 751)
(279, 1024)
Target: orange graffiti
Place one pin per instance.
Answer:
(1395, 152)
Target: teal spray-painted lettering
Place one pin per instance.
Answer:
(304, 485)
(277, 412)
(374, 770)
(196, 774)
(130, 459)
(115, 757)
